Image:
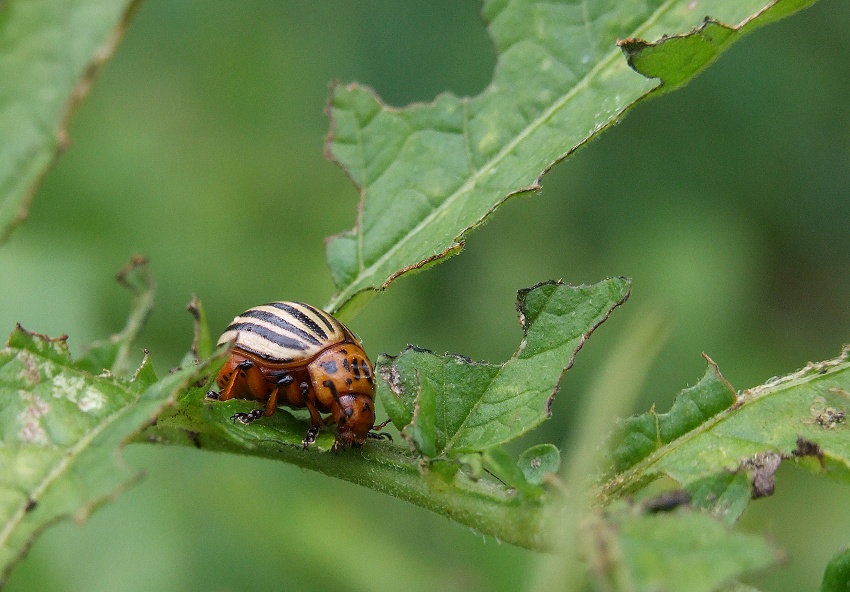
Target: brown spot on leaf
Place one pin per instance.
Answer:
(763, 467)
(830, 417)
(807, 448)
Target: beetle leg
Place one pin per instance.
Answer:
(315, 422)
(247, 418)
(380, 436)
(382, 425)
(271, 404)
(285, 380)
(310, 437)
(227, 392)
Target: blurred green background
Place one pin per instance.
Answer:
(200, 146)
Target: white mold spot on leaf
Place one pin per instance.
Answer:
(92, 400)
(31, 430)
(67, 387)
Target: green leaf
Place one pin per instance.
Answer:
(836, 578)
(539, 461)
(726, 495)
(430, 173)
(675, 59)
(501, 464)
(448, 405)
(800, 417)
(49, 53)
(113, 354)
(638, 437)
(681, 550)
(60, 429)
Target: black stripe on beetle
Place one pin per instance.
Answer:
(303, 318)
(282, 323)
(269, 335)
(355, 367)
(323, 316)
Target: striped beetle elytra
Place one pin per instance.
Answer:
(294, 354)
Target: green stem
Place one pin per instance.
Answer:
(480, 504)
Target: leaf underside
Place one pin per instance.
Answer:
(49, 53)
(429, 173)
(449, 405)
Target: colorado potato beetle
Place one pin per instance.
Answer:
(294, 354)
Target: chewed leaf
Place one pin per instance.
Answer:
(430, 173)
(449, 405)
(800, 417)
(49, 53)
(637, 437)
(113, 354)
(60, 428)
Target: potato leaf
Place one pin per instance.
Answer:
(49, 53)
(449, 405)
(60, 429)
(705, 441)
(682, 550)
(430, 173)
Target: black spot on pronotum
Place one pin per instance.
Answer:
(355, 367)
(366, 407)
(329, 367)
(364, 365)
(332, 388)
(345, 365)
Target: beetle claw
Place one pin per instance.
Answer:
(380, 436)
(247, 418)
(212, 395)
(310, 437)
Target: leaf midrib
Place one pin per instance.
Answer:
(347, 292)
